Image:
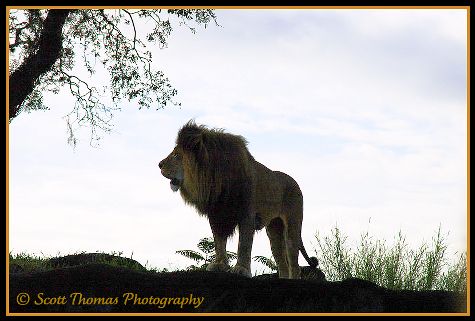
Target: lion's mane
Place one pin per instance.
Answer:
(218, 175)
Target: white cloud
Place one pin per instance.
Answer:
(365, 109)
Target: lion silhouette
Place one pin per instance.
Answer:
(216, 173)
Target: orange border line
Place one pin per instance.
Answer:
(239, 7)
(468, 160)
(7, 281)
(8, 8)
(238, 314)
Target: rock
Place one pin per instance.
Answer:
(307, 273)
(16, 268)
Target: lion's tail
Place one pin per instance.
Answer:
(312, 261)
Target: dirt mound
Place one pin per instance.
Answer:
(86, 258)
(99, 287)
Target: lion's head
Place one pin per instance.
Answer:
(189, 153)
(172, 168)
(211, 168)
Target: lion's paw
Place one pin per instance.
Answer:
(238, 269)
(218, 266)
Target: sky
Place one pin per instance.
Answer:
(365, 109)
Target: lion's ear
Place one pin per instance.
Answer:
(190, 138)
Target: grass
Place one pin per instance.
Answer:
(30, 262)
(395, 267)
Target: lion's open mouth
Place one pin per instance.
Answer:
(175, 184)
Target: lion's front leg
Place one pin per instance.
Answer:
(246, 237)
(220, 262)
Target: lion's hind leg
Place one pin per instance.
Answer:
(293, 240)
(275, 232)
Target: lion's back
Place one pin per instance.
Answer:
(275, 191)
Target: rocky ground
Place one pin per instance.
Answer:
(85, 284)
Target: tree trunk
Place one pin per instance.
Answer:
(50, 43)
